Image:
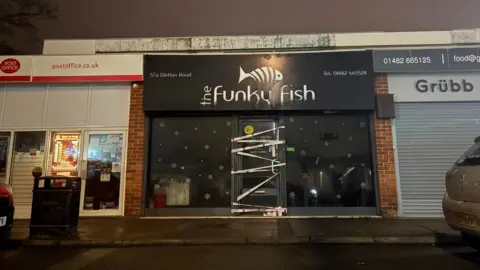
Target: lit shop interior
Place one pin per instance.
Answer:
(84, 138)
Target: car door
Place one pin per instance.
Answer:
(454, 182)
(463, 180)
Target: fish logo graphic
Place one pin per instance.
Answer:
(265, 75)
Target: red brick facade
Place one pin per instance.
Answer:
(135, 156)
(385, 158)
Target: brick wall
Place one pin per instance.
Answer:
(385, 158)
(134, 178)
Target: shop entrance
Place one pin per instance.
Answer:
(258, 167)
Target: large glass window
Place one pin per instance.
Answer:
(4, 141)
(329, 161)
(190, 162)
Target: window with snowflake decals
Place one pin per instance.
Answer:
(329, 163)
(190, 162)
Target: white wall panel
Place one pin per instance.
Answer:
(60, 106)
(24, 106)
(67, 105)
(109, 104)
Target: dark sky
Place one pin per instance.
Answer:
(149, 18)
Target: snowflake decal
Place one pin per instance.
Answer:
(326, 143)
(331, 166)
(186, 147)
(363, 185)
(207, 146)
(210, 176)
(292, 195)
(349, 155)
(177, 133)
(221, 167)
(363, 124)
(207, 196)
(291, 119)
(305, 175)
(303, 152)
(174, 165)
(228, 123)
(350, 138)
(214, 131)
(162, 125)
(339, 196)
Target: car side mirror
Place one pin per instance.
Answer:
(477, 139)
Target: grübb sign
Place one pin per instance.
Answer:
(424, 86)
(435, 87)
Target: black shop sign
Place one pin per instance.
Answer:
(301, 81)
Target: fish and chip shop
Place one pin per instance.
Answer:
(284, 134)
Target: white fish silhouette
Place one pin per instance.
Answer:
(262, 75)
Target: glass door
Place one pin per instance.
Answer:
(259, 163)
(103, 174)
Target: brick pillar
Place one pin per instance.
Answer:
(385, 158)
(135, 165)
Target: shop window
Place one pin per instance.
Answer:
(28, 152)
(4, 140)
(329, 162)
(64, 154)
(29, 142)
(190, 162)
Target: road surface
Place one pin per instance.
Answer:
(244, 257)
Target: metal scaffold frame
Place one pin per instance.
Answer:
(237, 206)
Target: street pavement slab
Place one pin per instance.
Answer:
(107, 232)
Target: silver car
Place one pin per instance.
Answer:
(461, 202)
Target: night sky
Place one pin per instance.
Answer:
(148, 18)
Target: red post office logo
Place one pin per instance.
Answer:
(10, 66)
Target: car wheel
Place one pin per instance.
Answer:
(4, 237)
(473, 241)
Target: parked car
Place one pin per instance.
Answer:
(461, 202)
(6, 212)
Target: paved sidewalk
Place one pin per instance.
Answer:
(144, 232)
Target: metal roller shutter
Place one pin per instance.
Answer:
(429, 138)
